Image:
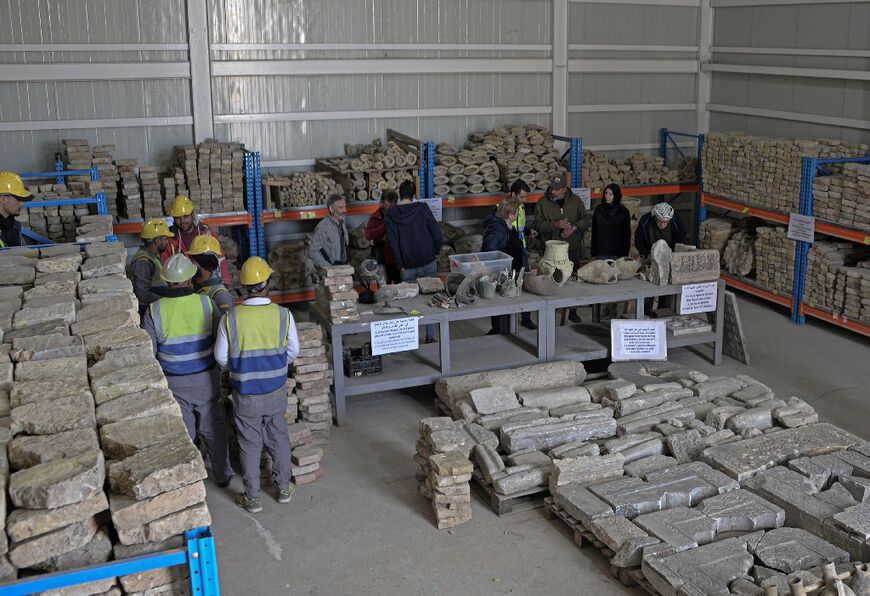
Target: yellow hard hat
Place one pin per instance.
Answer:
(11, 184)
(181, 206)
(255, 271)
(178, 269)
(154, 228)
(204, 244)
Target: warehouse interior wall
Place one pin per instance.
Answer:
(798, 70)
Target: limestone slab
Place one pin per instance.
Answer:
(28, 451)
(124, 438)
(855, 520)
(129, 514)
(110, 305)
(28, 392)
(574, 449)
(615, 531)
(743, 459)
(72, 369)
(792, 549)
(115, 359)
(680, 527)
(128, 380)
(97, 550)
(547, 436)
(742, 511)
(108, 322)
(48, 327)
(17, 275)
(581, 504)
(42, 548)
(794, 494)
(641, 467)
(555, 397)
(151, 402)
(708, 569)
(27, 316)
(59, 264)
(585, 470)
(157, 582)
(58, 483)
(46, 347)
(23, 524)
(520, 478)
(684, 446)
(488, 460)
(489, 400)
(112, 264)
(157, 469)
(55, 416)
(109, 284)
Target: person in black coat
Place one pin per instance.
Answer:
(500, 234)
(611, 226)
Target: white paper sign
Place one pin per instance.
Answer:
(395, 335)
(698, 298)
(638, 340)
(435, 205)
(801, 227)
(585, 195)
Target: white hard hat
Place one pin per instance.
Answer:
(178, 269)
(663, 211)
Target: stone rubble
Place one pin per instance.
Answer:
(335, 294)
(444, 470)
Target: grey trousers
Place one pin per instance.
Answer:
(260, 422)
(204, 416)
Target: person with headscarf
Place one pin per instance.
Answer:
(662, 223)
(611, 226)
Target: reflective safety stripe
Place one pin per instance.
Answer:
(183, 326)
(257, 354)
(142, 254)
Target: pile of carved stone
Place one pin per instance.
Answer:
(725, 490)
(774, 259)
(844, 198)
(102, 465)
(335, 294)
(599, 170)
(368, 170)
(714, 234)
(292, 266)
(301, 189)
(311, 377)
(444, 470)
(762, 171)
(465, 171)
(838, 278)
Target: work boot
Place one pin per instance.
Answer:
(286, 494)
(251, 505)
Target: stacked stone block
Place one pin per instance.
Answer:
(469, 170)
(599, 170)
(102, 464)
(335, 294)
(444, 471)
(212, 174)
(774, 259)
(152, 200)
(844, 198)
(714, 234)
(312, 378)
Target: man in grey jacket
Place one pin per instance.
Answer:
(329, 240)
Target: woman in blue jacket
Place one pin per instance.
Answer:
(500, 234)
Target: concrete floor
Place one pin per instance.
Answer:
(363, 528)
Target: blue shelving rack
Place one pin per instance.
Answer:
(427, 169)
(198, 554)
(254, 204)
(575, 158)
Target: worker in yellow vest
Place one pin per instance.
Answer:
(13, 195)
(182, 327)
(257, 341)
(145, 268)
(204, 252)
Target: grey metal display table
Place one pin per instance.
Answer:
(445, 357)
(591, 341)
(450, 357)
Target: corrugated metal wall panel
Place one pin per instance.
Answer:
(596, 88)
(602, 23)
(625, 128)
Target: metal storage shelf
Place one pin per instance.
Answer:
(217, 220)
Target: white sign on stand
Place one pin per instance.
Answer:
(435, 205)
(395, 335)
(697, 298)
(638, 340)
(801, 227)
(585, 195)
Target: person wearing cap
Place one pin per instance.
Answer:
(204, 251)
(145, 267)
(13, 195)
(182, 326)
(186, 226)
(329, 241)
(256, 342)
(662, 223)
(560, 215)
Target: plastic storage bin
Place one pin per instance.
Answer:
(494, 262)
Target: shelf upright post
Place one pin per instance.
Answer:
(258, 198)
(202, 562)
(58, 167)
(801, 250)
(700, 208)
(427, 170)
(576, 162)
(663, 144)
(250, 203)
(100, 196)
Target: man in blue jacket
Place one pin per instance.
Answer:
(415, 238)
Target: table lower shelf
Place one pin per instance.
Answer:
(591, 341)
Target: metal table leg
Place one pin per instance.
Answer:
(444, 347)
(720, 324)
(339, 405)
(543, 336)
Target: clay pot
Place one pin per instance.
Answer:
(796, 585)
(541, 285)
(556, 259)
(486, 288)
(770, 591)
(628, 268)
(599, 272)
(860, 583)
(834, 586)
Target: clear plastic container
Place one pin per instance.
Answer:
(492, 262)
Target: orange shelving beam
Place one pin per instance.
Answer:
(215, 221)
(756, 290)
(765, 214)
(849, 324)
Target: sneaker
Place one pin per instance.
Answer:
(285, 494)
(574, 317)
(528, 324)
(493, 332)
(248, 504)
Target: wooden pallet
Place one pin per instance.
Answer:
(504, 505)
(583, 537)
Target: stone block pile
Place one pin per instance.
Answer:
(525, 152)
(774, 259)
(599, 170)
(335, 294)
(130, 195)
(714, 234)
(444, 471)
(739, 255)
(844, 198)
(835, 278)
(300, 190)
(55, 223)
(292, 266)
(761, 171)
(312, 377)
(152, 198)
(79, 155)
(212, 175)
(366, 171)
(102, 465)
(465, 171)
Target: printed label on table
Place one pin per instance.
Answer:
(435, 205)
(698, 298)
(801, 227)
(585, 195)
(395, 335)
(638, 340)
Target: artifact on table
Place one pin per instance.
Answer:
(603, 271)
(556, 261)
(627, 267)
(541, 285)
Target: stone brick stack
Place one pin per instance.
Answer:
(444, 471)
(469, 170)
(79, 366)
(599, 170)
(844, 198)
(291, 264)
(763, 171)
(56, 223)
(336, 296)
(824, 262)
(312, 378)
(714, 233)
(130, 197)
(152, 199)
(212, 174)
(79, 155)
(774, 259)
